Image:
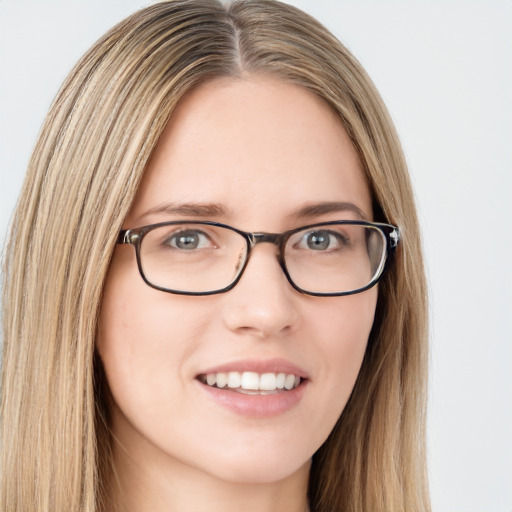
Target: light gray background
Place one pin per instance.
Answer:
(444, 69)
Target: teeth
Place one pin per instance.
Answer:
(234, 379)
(252, 381)
(221, 378)
(268, 381)
(289, 381)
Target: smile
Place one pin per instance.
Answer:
(256, 388)
(252, 383)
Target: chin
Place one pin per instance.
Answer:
(258, 470)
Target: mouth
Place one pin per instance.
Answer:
(252, 383)
(255, 388)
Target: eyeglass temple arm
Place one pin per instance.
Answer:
(127, 236)
(394, 238)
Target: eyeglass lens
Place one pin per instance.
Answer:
(199, 258)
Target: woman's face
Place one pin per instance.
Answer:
(262, 156)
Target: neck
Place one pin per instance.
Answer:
(143, 484)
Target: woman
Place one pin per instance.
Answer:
(194, 370)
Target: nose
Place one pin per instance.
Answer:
(263, 303)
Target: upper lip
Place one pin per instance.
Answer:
(259, 366)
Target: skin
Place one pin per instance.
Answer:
(261, 149)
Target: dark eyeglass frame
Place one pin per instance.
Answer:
(135, 237)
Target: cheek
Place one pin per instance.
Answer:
(352, 330)
(143, 341)
(343, 329)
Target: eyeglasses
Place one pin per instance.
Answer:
(205, 258)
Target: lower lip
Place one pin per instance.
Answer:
(262, 406)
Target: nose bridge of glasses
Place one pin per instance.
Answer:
(271, 238)
(276, 239)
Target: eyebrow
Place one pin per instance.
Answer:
(187, 210)
(318, 209)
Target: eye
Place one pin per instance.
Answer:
(188, 240)
(322, 240)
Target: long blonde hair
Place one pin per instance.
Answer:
(81, 181)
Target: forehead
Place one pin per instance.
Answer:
(256, 146)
